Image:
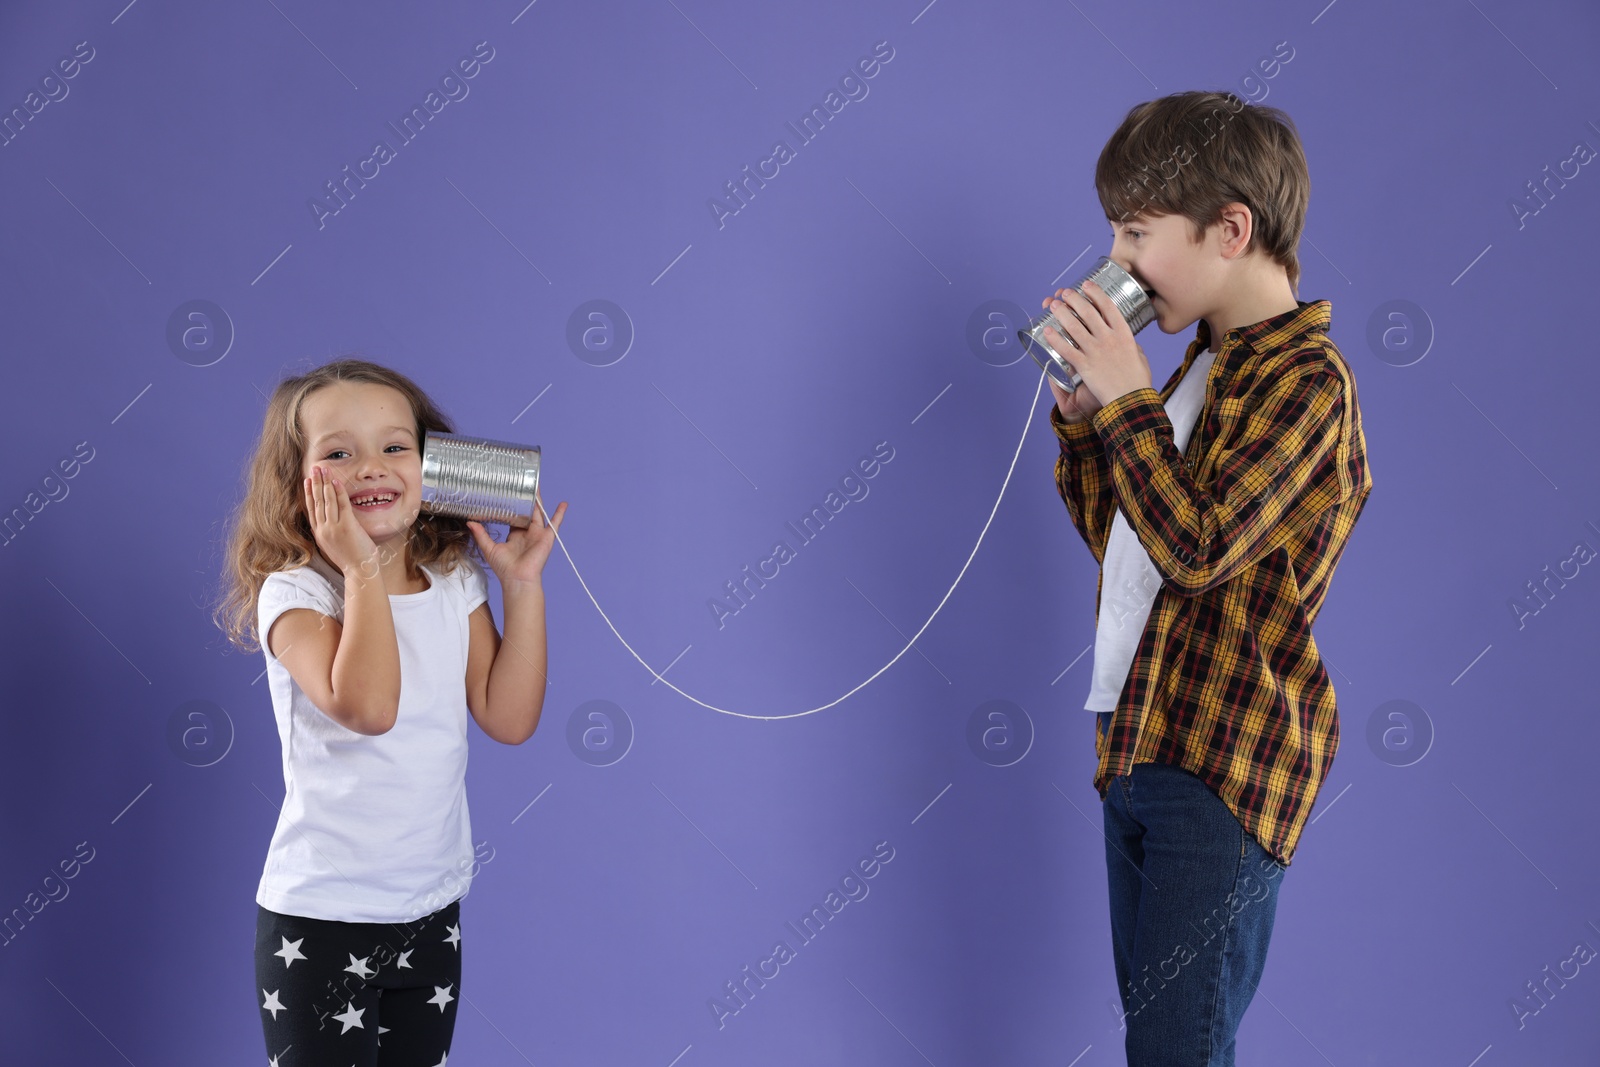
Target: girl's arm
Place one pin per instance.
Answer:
(350, 672)
(506, 678)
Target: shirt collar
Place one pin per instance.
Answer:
(1270, 334)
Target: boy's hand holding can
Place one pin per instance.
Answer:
(1109, 359)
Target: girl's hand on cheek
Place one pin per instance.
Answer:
(338, 532)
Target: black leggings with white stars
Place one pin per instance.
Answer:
(369, 994)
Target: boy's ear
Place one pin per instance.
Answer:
(1236, 225)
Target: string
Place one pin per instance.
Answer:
(1026, 426)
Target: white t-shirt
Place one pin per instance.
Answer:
(374, 828)
(1128, 580)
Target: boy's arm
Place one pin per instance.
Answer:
(1084, 478)
(1279, 475)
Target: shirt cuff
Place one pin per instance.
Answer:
(1072, 434)
(1131, 413)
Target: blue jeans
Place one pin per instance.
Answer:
(1193, 896)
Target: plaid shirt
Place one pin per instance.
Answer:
(1245, 530)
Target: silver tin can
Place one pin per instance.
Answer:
(480, 479)
(1124, 292)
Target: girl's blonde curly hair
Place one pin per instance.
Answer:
(269, 530)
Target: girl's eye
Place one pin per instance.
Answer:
(339, 451)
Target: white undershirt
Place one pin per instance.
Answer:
(1128, 580)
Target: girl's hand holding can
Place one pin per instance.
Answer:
(334, 525)
(521, 556)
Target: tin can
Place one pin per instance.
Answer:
(480, 479)
(1130, 299)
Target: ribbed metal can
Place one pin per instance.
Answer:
(480, 479)
(1130, 299)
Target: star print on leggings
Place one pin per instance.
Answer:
(351, 1017)
(441, 996)
(296, 1011)
(290, 951)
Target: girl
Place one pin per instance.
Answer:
(375, 622)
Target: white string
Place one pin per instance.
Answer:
(811, 711)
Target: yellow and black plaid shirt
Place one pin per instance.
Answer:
(1245, 529)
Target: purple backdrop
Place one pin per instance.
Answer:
(165, 265)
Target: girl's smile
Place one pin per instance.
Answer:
(364, 435)
(374, 501)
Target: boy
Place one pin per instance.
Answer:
(1217, 509)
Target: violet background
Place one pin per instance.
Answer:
(831, 313)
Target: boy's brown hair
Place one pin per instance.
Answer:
(1190, 153)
